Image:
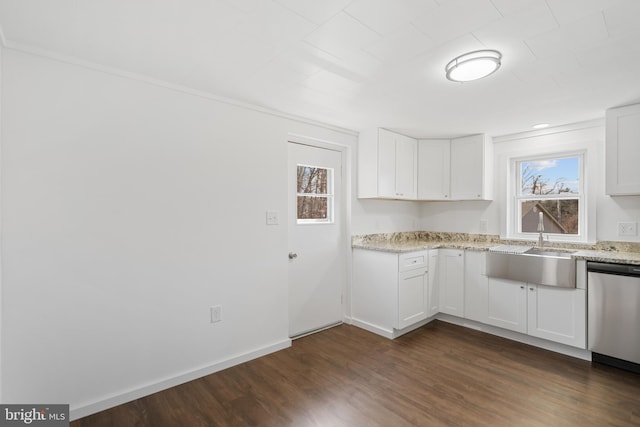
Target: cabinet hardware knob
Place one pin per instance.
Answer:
(521, 287)
(293, 255)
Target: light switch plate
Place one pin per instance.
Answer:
(628, 228)
(272, 218)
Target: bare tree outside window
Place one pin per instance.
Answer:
(551, 187)
(315, 194)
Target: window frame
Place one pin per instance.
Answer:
(330, 196)
(515, 223)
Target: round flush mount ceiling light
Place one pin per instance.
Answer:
(473, 65)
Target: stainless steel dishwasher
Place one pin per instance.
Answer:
(614, 314)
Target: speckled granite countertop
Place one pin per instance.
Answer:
(614, 252)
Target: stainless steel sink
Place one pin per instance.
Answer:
(549, 252)
(550, 267)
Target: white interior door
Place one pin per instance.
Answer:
(317, 259)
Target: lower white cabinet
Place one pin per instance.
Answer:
(507, 304)
(476, 286)
(393, 291)
(433, 300)
(557, 314)
(552, 313)
(451, 281)
(412, 297)
(390, 291)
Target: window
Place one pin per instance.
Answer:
(550, 191)
(315, 195)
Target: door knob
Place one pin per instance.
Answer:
(293, 255)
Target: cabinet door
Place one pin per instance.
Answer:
(434, 159)
(386, 164)
(557, 314)
(468, 158)
(412, 297)
(397, 166)
(623, 150)
(507, 304)
(406, 167)
(433, 300)
(476, 286)
(451, 281)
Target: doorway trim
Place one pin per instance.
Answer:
(347, 162)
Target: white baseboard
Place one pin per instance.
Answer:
(127, 396)
(388, 333)
(504, 333)
(516, 336)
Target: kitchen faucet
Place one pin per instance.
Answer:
(540, 230)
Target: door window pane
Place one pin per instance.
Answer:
(314, 194)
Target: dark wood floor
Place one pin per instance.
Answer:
(441, 374)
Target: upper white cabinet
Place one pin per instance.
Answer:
(457, 169)
(623, 151)
(387, 165)
(471, 168)
(434, 167)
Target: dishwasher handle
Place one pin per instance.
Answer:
(619, 269)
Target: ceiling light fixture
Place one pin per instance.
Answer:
(473, 65)
(541, 126)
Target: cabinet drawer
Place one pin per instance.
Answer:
(413, 260)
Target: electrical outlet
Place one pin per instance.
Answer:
(629, 228)
(216, 313)
(484, 225)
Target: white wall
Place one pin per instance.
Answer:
(460, 217)
(466, 216)
(128, 210)
(384, 216)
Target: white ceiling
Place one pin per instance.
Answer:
(361, 63)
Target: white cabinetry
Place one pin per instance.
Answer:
(394, 293)
(557, 314)
(451, 281)
(412, 298)
(553, 313)
(507, 304)
(457, 169)
(434, 169)
(476, 286)
(387, 165)
(623, 150)
(390, 291)
(471, 168)
(434, 289)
